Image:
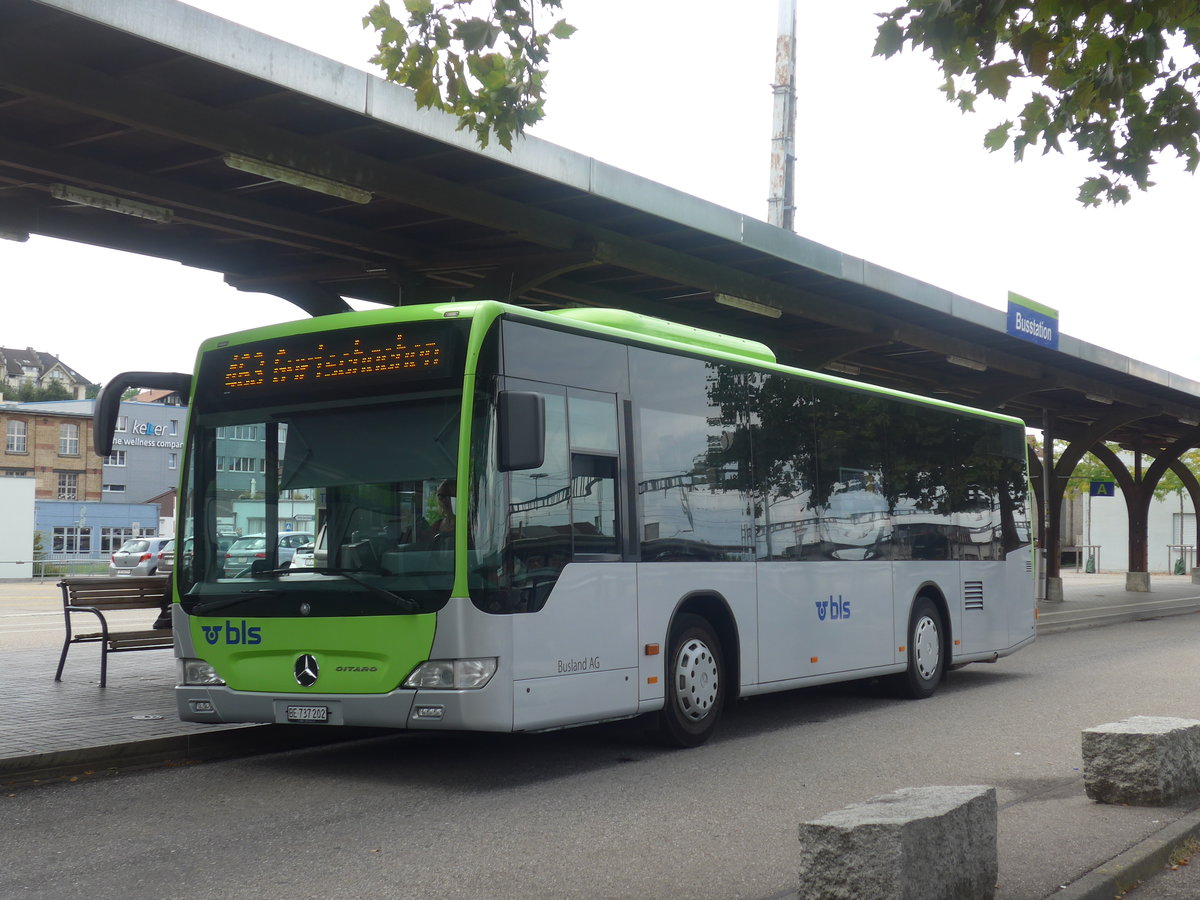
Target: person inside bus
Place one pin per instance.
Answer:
(443, 525)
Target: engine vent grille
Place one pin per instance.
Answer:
(973, 595)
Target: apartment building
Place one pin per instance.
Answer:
(32, 368)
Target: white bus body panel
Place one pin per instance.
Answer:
(984, 613)
(577, 657)
(816, 618)
(1022, 623)
(663, 586)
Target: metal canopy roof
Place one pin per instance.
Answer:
(145, 100)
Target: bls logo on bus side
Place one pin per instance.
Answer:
(835, 609)
(233, 633)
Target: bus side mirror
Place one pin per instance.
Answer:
(108, 401)
(521, 430)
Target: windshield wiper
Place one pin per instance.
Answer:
(201, 609)
(405, 604)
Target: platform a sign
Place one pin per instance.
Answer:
(1104, 489)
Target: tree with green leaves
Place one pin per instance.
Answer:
(489, 70)
(32, 393)
(1171, 483)
(1116, 78)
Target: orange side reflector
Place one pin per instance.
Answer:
(902, 648)
(813, 659)
(957, 642)
(652, 649)
(653, 679)
(1037, 613)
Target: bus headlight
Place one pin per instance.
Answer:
(452, 674)
(197, 672)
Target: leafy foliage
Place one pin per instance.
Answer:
(488, 70)
(1170, 483)
(1090, 469)
(32, 393)
(1119, 79)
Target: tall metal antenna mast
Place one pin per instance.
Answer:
(781, 205)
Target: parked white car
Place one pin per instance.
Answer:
(306, 556)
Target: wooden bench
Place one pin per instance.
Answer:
(98, 595)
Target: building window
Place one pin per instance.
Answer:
(117, 458)
(72, 539)
(220, 464)
(16, 473)
(16, 439)
(174, 427)
(246, 464)
(68, 439)
(111, 539)
(173, 461)
(244, 432)
(122, 423)
(68, 486)
(113, 488)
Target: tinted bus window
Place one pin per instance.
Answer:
(693, 478)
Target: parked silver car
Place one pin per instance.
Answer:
(138, 556)
(243, 553)
(166, 558)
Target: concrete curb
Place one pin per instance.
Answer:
(1054, 621)
(1141, 861)
(244, 740)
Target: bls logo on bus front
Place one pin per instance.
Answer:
(233, 633)
(835, 609)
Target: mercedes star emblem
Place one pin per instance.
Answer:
(307, 670)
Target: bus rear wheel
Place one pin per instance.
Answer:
(926, 656)
(695, 683)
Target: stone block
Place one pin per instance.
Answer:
(1054, 590)
(1137, 582)
(927, 843)
(1142, 760)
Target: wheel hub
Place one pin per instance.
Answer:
(927, 647)
(696, 680)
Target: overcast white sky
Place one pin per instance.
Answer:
(678, 91)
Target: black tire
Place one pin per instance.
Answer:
(695, 683)
(926, 653)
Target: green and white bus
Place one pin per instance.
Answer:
(635, 517)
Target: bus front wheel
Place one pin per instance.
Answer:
(695, 683)
(926, 656)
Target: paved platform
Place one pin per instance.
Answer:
(75, 728)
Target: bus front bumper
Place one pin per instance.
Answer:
(451, 710)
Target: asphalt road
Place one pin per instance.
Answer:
(600, 812)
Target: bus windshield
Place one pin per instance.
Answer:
(366, 494)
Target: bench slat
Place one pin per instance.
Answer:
(82, 604)
(143, 643)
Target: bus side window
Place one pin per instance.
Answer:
(594, 516)
(539, 524)
(594, 520)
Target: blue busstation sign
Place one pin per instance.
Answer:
(1032, 322)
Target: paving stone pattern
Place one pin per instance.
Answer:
(76, 714)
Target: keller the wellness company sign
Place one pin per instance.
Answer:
(1032, 322)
